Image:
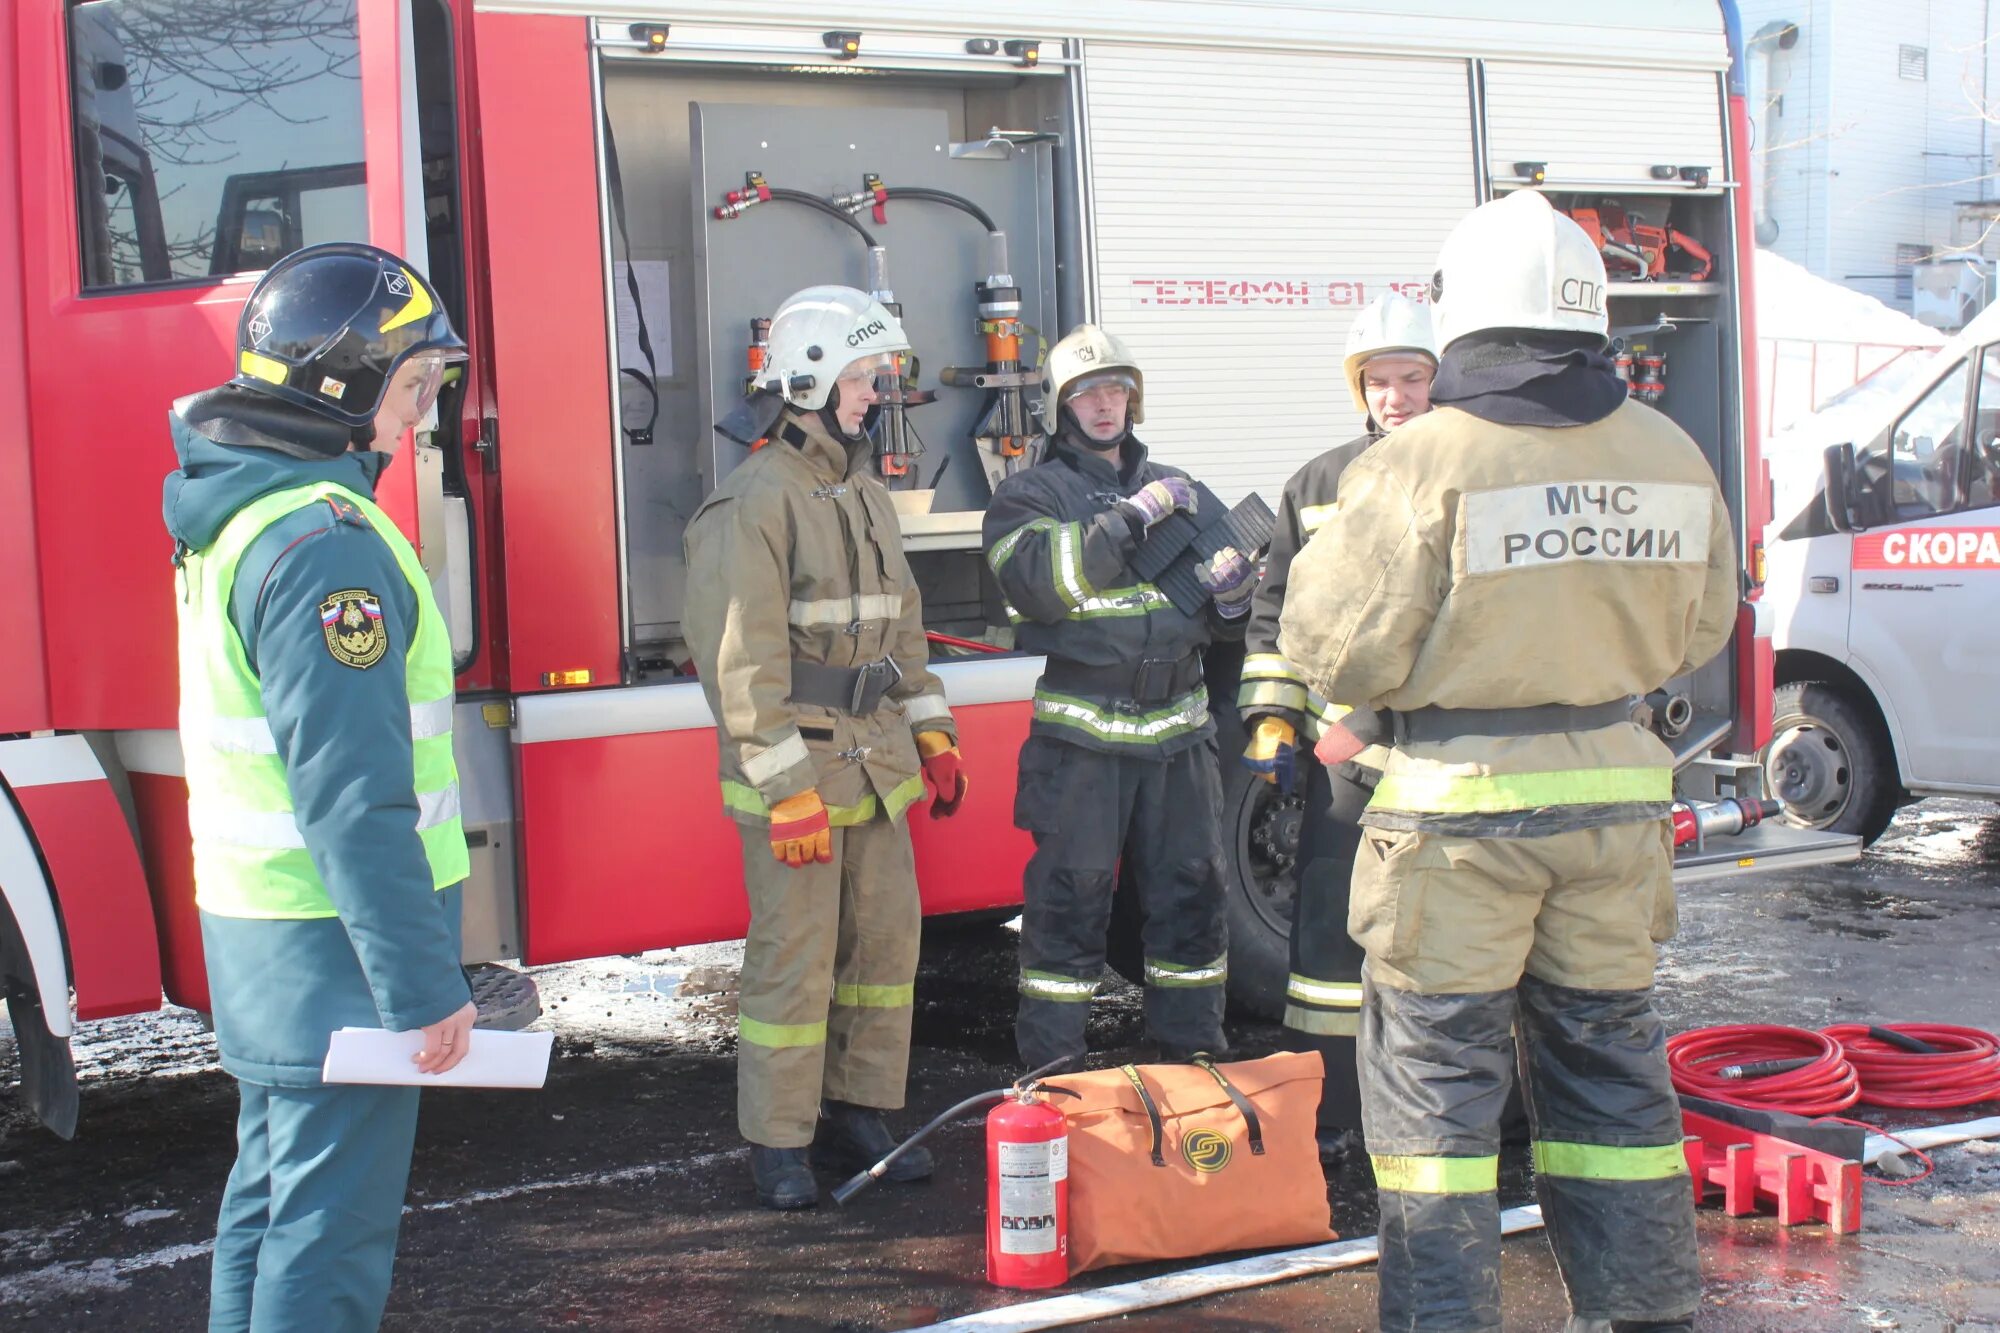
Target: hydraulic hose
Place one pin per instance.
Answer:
(1921, 1066)
(946, 197)
(814, 201)
(1765, 1067)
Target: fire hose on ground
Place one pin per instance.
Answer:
(1915, 1066)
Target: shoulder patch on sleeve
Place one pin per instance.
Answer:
(356, 634)
(345, 511)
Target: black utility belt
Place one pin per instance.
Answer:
(1447, 724)
(1149, 681)
(858, 690)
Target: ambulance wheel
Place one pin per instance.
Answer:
(1830, 761)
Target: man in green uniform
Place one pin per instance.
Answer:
(316, 704)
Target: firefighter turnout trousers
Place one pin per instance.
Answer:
(1088, 810)
(829, 969)
(1468, 938)
(1323, 993)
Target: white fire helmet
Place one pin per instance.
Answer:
(1389, 325)
(1516, 263)
(818, 333)
(1088, 353)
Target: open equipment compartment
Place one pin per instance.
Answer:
(690, 132)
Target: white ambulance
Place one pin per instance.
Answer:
(1884, 587)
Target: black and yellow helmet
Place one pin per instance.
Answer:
(328, 325)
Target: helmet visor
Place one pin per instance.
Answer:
(413, 389)
(1098, 379)
(877, 371)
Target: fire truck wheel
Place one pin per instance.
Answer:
(1260, 850)
(1830, 761)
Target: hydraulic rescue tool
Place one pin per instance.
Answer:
(896, 445)
(1637, 249)
(1002, 432)
(1696, 824)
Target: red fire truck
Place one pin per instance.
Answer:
(607, 202)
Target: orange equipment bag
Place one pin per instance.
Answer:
(1168, 1161)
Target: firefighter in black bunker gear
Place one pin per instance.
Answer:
(1546, 551)
(1390, 360)
(1120, 761)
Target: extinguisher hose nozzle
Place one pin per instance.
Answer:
(861, 1181)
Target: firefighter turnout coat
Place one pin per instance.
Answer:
(1518, 566)
(797, 556)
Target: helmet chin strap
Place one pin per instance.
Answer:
(829, 416)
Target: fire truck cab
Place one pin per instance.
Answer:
(609, 202)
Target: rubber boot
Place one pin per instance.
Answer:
(784, 1177)
(854, 1138)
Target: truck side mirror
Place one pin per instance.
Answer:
(1840, 487)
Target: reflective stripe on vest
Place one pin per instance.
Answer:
(250, 858)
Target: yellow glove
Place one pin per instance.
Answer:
(1273, 751)
(944, 773)
(800, 831)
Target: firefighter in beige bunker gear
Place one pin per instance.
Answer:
(1516, 863)
(807, 632)
(1120, 761)
(1390, 360)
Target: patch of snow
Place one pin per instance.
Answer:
(618, 1176)
(138, 1217)
(81, 1278)
(642, 1001)
(1793, 304)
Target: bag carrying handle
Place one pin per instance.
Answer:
(1241, 1103)
(1131, 1072)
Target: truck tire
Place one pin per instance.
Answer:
(1830, 761)
(1260, 857)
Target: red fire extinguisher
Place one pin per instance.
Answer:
(1027, 1192)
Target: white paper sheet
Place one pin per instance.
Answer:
(655, 298)
(493, 1060)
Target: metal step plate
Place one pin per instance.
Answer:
(1772, 846)
(507, 1000)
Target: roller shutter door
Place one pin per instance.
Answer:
(1246, 206)
(1601, 125)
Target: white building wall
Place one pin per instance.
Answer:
(1788, 146)
(1863, 160)
(1880, 181)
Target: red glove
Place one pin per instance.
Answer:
(942, 772)
(1337, 745)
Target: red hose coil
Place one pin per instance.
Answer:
(1826, 1085)
(1965, 1070)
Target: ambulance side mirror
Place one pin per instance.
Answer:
(1840, 487)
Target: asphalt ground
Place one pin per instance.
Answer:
(618, 1197)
